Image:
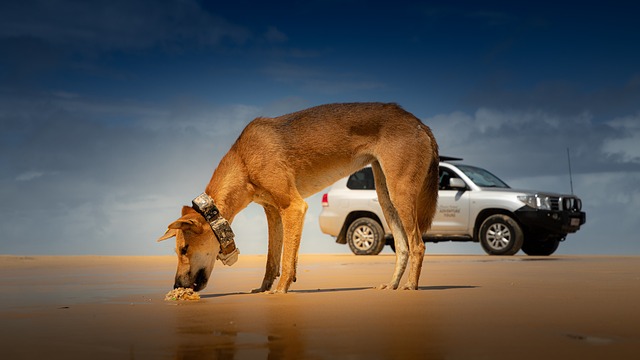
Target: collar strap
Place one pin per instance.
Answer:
(205, 206)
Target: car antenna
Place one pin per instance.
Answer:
(570, 176)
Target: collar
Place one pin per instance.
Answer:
(205, 206)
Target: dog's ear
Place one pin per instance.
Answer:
(188, 224)
(169, 234)
(185, 223)
(188, 210)
(182, 224)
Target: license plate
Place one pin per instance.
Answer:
(575, 222)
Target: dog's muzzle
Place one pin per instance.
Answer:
(205, 206)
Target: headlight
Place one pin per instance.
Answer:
(528, 200)
(539, 202)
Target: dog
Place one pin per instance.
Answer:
(278, 162)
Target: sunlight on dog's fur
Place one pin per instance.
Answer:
(277, 162)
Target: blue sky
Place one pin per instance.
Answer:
(115, 113)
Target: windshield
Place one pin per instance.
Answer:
(482, 177)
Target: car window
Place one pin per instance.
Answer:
(482, 177)
(362, 180)
(445, 176)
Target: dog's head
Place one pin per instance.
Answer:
(197, 248)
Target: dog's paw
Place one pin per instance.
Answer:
(409, 286)
(265, 287)
(278, 291)
(387, 287)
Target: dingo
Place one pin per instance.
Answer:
(277, 162)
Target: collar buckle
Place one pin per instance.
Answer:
(205, 206)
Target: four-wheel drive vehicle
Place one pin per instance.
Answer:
(473, 205)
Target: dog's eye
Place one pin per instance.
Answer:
(183, 251)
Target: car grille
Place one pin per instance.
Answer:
(571, 204)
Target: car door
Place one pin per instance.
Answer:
(452, 217)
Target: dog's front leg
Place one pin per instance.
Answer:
(292, 221)
(274, 253)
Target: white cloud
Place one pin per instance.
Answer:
(273, 35)
(628, 145)
(29, 175)
(530, 143)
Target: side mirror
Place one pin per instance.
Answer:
(457, 183)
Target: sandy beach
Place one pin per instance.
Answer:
(467, 307)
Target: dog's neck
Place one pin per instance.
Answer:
(229, 186)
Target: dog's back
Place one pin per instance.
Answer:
(325, 143)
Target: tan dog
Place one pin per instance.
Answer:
(277, 162)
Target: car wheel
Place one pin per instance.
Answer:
(365, 236)
(500, 235)
(540, 247)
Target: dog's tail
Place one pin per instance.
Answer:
(428, 198)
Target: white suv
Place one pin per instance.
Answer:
(473, 205)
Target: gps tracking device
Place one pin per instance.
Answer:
(205, 206)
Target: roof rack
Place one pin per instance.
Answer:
(449, 158)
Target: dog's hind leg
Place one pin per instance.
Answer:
(404, 183)
(393, 219)
(274, 252)
(426, 208)
(407, 208)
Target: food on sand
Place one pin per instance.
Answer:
(182, 294)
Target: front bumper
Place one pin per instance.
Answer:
(552, 221)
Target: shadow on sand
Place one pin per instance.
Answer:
(331, 290)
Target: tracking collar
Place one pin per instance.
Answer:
(205, 206)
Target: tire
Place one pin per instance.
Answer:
(540, 246)
(500, 235)
(365, 236)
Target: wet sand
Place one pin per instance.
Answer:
(467, 307)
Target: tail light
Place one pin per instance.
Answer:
(325, 200)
